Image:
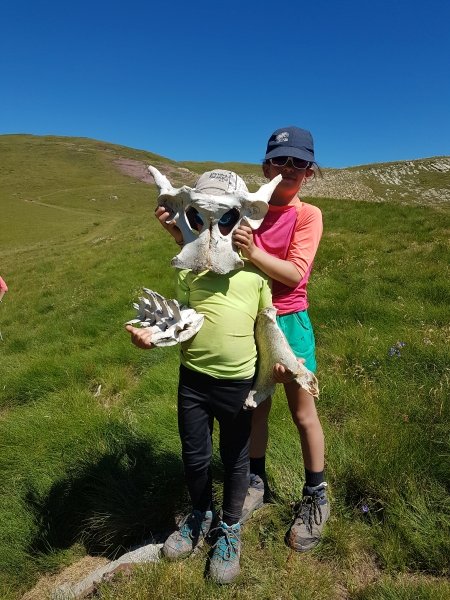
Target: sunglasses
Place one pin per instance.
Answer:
(297, 163)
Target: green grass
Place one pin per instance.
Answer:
(89, 449)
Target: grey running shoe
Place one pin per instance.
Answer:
(192, 531)
(311, 514)
(224, 564)
(254, 498)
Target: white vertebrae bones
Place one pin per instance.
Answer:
(274, 348)
(169, 322)
(207, 244)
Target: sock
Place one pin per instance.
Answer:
(258, 466)
(312, 479)
(228, 520)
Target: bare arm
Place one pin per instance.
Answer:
(276, 268)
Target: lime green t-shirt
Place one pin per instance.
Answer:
(224, 347)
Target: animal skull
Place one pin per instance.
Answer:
(207, 241)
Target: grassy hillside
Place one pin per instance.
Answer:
(89, 450)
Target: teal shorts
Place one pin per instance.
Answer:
(299, 333)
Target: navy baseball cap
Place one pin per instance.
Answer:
(291, 141)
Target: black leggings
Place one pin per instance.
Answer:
(200, 399)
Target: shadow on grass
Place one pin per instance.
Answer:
(125, 499)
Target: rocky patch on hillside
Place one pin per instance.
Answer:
(424, 181)
(177, 176)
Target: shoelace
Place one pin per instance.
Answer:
(309, 511)
(226, 543)
(190, 529)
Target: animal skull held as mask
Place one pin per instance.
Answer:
(207, 219)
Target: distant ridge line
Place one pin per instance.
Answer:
(423, 181)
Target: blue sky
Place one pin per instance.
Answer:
(211, 81)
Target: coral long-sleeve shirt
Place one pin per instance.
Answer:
(291, 233)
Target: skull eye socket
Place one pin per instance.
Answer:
(194, 218)
(228, 220)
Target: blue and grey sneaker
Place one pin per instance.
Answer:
(310, 516)
(224, 564)
(254, 498)
(194, 528)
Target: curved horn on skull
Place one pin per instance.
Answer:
(161, 180)
(266, 190)
(258, 202)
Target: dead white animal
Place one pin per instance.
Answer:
(169, 322)
(206, 247)
(274, 348)
(172, 324)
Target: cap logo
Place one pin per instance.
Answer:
(219, 176)
(282, 137)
